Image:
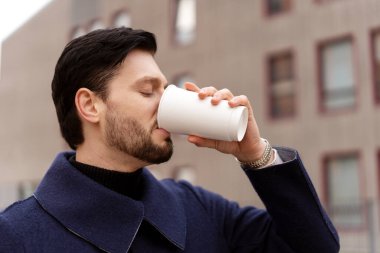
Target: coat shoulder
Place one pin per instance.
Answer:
(22, 217)
(184, 189)
(12, 224)
(206, 201)
(20, 210)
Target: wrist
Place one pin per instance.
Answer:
(254, 153)
(266, 157)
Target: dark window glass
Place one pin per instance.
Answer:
(277, 6)
(282, 95)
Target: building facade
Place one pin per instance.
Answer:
(310, 68)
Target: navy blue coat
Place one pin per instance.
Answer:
(71, 213)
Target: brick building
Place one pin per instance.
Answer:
(310, 68)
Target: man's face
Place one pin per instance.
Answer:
(131, 110)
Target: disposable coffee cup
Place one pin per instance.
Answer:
(182, 112)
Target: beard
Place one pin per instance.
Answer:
(130, 137)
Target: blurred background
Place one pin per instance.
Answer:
(311, 69)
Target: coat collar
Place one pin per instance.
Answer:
(103, 217)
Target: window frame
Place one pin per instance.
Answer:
(378, 177)
(376, 93)
(268, 85)
(363, 226)
(321, 99)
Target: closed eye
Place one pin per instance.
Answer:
(146, 94)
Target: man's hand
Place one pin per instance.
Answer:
(251, 148)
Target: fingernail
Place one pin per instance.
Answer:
(202, 94)
(232, 102)
(214, 101)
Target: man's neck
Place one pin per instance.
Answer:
(109, 159)
(128, 184)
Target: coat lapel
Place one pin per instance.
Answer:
(107, 219)
(164, 210)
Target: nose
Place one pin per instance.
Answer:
(161, 92)
(158, 99)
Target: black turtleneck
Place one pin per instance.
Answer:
(128, 184)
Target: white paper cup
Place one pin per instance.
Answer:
(183, 112)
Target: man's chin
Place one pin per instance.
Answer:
(160, 152)
(167, 153)
(162, 158)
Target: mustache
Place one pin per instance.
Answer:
(155, 126)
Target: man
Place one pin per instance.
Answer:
(106, 89)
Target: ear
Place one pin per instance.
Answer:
(88, 105)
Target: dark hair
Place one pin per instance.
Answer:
(91, 61)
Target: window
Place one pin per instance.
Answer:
(181, 79)
(185, 21)
(26, 188)
(96, 24)
(8, 194)
(121, 19)
(186, 173)
(14, 191)
(337, 75)
(376, 63)
(77, 32)
(277, 6)
(281, 85)
(343, 190)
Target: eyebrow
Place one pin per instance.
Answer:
(149, 79)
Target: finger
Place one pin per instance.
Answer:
(242, 100)
(239, 100)
(223, 94)
(202, 142)
(191, 87)
(207, 92)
